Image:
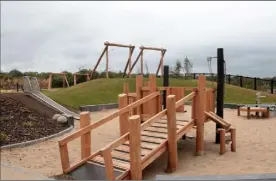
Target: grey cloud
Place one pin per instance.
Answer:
(53, 36)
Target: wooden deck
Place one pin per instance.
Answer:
(153, 144)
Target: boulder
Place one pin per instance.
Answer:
(56, 116)
(62, 119)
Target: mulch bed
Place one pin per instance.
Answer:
(23, 119)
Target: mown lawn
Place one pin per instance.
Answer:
(101, 91)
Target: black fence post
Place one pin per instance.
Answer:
(229, 79)
(255, 83)
(165, 84)
(17, 86)
(194, 76)
(240, 81)
(220, 88)
(271, 86)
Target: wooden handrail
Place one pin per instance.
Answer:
(107, 119)
(184, 99)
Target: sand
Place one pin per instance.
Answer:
(256, 149)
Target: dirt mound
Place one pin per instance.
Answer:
(24, 122)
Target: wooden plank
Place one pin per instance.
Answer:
(116, 163)
(64, 156)
(253, 109)
(152, 140)
(118, 45)
(120, 155)
(217, 119)
(159, 125)
(145, 145)
(155, 129)
(152, 48)
(123, 118)
(152, 119)
(125, 149)
(178, 122)
(154, 134)
(187, 128)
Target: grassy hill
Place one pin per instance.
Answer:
(101, 91)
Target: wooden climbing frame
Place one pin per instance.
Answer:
(79, 74)
(141, 56)
(141, 140)
(63, 75)
(105, 51)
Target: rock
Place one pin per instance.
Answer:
(56, 116)
(62, 119)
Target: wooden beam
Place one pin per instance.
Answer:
(153, 88)
(135, 147)
(136, 60)
(98, 62)
(184, 99)
(139, 84)
(108, 163)
(200, 117)
(172, 137)
(142, 63)
(222, 140)
(106, 56)
(64, 157)
(123, 118)
(118, 45)
(86, 138)
(152, 48)
(128, 64)
(161, 63)
(233, 139)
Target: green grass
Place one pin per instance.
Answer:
(102, 91)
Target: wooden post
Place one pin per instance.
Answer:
(172, 137)
(142, 64)
(200, 117)
(222, 140)
(108, 164)
(152, 88)
(86, 138)
(194, 106)
(241, 84)
(238, 110)
(125, 88)
(139, 84)
(106, 54)
(75, 79)
(129, 58)
(50, 81)
(255, 83)
(233, 139)
(135, 147)
(248, 112)
(64, 157)
(123, 118)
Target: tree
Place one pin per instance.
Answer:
(187, 66)
(177, 69)
(15, 73)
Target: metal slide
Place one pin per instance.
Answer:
(31, 87)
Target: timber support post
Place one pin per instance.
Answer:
(200, 117)
(165, 84)
(172, 136)
(86, 138)
(135, 147)
(123, 118)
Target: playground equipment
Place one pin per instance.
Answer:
(146, 131)
(105, 51)
(31, 88)
(79, 74)
(63, 77)
(140, 55)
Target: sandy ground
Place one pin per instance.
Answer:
(256, 149)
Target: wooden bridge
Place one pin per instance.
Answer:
(145, 133)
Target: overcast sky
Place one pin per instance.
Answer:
(55, 36)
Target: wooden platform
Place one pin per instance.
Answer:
(257, 110)
(153, 144)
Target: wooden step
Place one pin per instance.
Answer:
(178, 122)
(120, 155)
(217, 119)
(116, 163)
(156, 129)
(154, 134)
(159, 125)
(149, 146)
(152, 140)
(125, 149)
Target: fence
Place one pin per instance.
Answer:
(255, 83)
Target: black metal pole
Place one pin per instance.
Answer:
(229, 79)
(165, 84)
(220, 88)
(241, 81)
(271, 86)
(255, 83)
(17, 86)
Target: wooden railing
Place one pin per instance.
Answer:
(87, 129)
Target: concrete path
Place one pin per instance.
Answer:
(9, 172)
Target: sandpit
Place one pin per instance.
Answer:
(256, 148)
